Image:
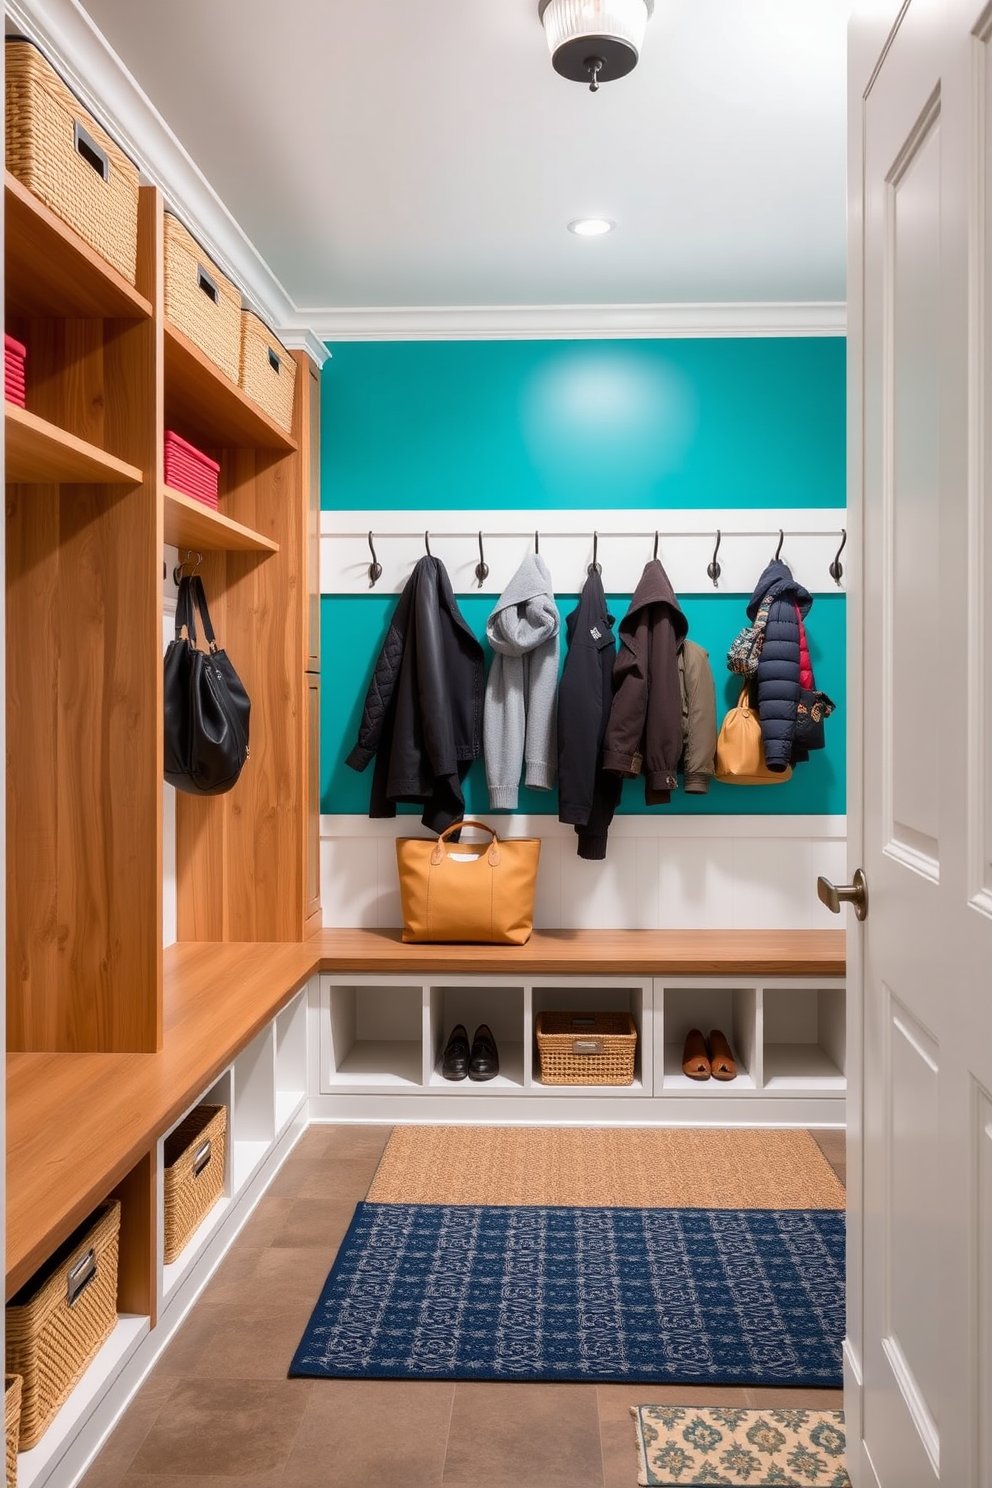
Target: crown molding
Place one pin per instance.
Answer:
(297, 338)
(618, 322)
(80, 53)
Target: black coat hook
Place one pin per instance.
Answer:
(375, 567)
(482, 567)
(427, 545)
(781, 540)
(713, 568)
(594, 566)
(537, 542)
(837, 568)
(656, 545)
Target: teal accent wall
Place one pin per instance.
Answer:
(716, 422)
(353, 629)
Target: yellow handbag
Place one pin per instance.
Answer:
(740, 755)
(468, 891)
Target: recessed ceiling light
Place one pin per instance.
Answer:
(591, 227)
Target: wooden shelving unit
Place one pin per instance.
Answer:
(190, 524)
(98, 1051)
(39, 453)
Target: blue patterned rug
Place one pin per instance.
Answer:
(729, 1297)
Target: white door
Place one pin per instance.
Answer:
(919, 1351)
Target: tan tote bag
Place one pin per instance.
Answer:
(469, 891)
(740, 754)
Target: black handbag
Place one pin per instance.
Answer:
(206, 707)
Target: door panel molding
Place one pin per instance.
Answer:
(911, 1067)
(925, 1425)
(979, 708)
(910, 487)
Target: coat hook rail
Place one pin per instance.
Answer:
(684, 549)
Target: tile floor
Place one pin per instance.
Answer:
(217, 1411)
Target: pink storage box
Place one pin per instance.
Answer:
(189, 470)
(14, 354)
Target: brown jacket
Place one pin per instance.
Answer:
(644, 734)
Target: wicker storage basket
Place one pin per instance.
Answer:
(586, 1048)
(204, 305)
(11, 1423)
(268, 372)
(63, 156)
(194, 1174)
(60, 1318)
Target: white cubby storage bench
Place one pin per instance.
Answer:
(379, 1032)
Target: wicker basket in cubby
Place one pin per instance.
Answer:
(194, 1174)
(61, 1317)
(63, 157)
(11, 1423)
(586, 1048)
(268, 372)
(199, 300)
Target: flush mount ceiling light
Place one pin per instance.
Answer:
(594, 41)
(591, 227)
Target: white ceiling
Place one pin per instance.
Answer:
(387, 153)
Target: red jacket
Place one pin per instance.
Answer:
(644, 734)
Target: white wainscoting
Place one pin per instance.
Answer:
(679, 873)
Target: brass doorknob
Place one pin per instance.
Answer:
(856, 893)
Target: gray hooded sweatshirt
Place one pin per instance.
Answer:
(518, 722)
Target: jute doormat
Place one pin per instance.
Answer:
(684, 1444)
(606, 1167)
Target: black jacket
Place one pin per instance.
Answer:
(422, 718)
(587, 794)
(778, 665)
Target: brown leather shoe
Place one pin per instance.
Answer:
(722, 1063)
(695, 1060)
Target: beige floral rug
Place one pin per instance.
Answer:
(685, 1444)
(606, 1167)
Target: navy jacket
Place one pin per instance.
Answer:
(587, 794)
(778, 666)
(422, 719)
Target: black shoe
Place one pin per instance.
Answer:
(454, 1060)
(484, 1061)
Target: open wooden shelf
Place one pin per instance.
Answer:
(40, 453)
(190, 524)
(50, 271)
(201, 400)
